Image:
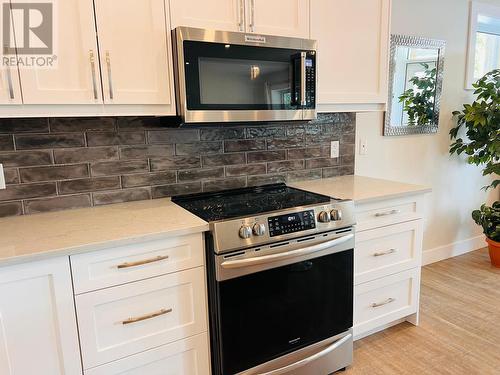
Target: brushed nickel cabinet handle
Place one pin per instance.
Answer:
(141, 262)
(386, 302)
(241, 21)
(252, 16)
(147, 316)
(392, 212)
(92, 68)
(382, 253)
(110, 79)
(9, 83)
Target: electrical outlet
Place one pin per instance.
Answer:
(2, 177)
(363, 147)
(334, 149)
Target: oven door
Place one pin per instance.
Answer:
(223, 76)
(274, 302)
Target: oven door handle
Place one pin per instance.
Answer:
(305, 361)
(286, 255)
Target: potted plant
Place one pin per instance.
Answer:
(489, 219)
(481, 121)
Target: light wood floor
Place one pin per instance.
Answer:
(459, 330)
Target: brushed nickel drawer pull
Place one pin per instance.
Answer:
(386, 302)
(145, 317)
(141, 262)
(392, 212)
(382, 253)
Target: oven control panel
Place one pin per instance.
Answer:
(291, 223)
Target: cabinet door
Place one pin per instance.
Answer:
(279, 17)
(227, 15)
(353, 38)
(74, 77)
(187, 357)
(38, 332)
(134, 45)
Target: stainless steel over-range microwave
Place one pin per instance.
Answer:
(236, 77)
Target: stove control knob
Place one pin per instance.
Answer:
(259, 229)
(324, 217)
(245, 232)
(336, 215)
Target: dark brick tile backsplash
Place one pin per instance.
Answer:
(53, 173)
(62, 163)
(25, 158)
(24, 125)
(6, 143)
(39, 141)
(57, 203)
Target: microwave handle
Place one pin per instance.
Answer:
(303, 56)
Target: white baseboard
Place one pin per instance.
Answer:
(452, 250)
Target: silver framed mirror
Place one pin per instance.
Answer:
(415, 85)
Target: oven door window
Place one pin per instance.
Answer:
(235, 77)
(274, 312)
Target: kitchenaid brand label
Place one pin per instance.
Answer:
(255, 38)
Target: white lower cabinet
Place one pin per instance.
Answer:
(387, 264)
(128, 263)
(385, 300)
(387, 250)
(38, 333)
(183, 357)
(127, 319)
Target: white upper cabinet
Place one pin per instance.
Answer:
(353, 41)
(134, 46)
(276, 17)
(38, 333)
(279, 17)
(74, 77)
(226, 15)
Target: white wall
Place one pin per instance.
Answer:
(424, 159)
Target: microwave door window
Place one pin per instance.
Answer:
(244, 82)
(239, 77)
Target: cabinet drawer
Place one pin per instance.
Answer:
(385, 300)
(127, 319)
(387, 212)
(124, 264)
(387, 250)
(183, 357)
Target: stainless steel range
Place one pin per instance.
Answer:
(280, 279)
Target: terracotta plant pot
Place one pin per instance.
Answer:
(494, 248)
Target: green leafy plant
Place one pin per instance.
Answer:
(481, 120)
(489, 219)
(418, 100)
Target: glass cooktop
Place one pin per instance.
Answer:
(250, 201)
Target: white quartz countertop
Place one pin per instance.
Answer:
(360, 189)
(33, 237)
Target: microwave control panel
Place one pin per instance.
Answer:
(290, 223)
(310, 81)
